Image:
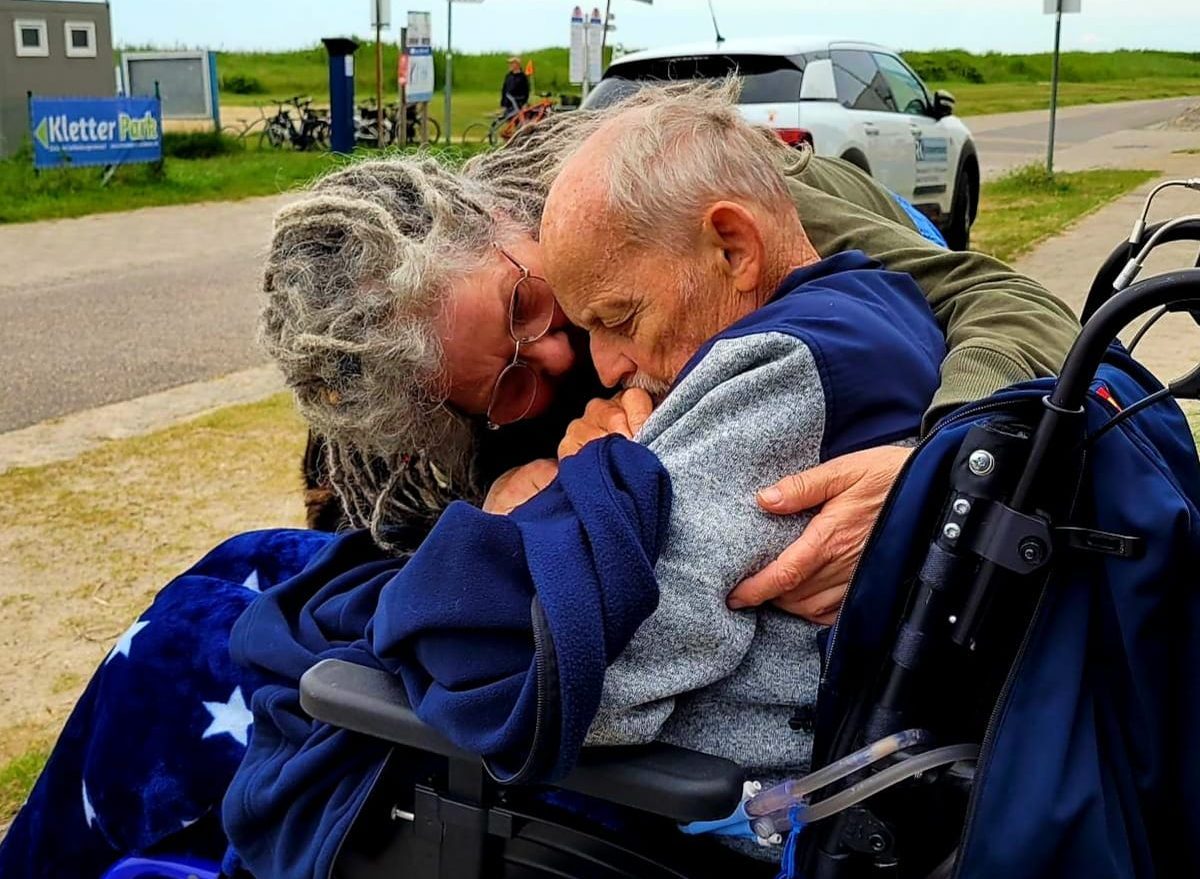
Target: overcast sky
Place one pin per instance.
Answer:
(514, 25)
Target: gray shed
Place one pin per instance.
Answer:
(51, 47)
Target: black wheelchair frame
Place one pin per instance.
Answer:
(436, 812)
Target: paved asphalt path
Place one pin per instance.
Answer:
(111, 307)
(1008, 140)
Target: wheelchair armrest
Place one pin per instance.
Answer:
(660, 779)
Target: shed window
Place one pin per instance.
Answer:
(80, 39)
(30, 35)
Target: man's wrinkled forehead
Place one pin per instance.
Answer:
(579, 242)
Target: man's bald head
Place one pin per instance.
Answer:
(670, 221)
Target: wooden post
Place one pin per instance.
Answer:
(29, 114)
(380, 138)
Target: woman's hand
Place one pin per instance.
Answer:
(513, 487)
(624, 414)
(810, 578)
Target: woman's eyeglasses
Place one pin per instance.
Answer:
(530, 314)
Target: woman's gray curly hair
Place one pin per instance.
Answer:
(355, 277)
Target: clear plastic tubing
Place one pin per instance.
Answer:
(780, 822)
(786, 794)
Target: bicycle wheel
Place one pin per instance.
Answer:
(252, 129)
(474, 134)
(234, 132)
(503, 129)
(321, 133)
(435, 132)
(273, 136)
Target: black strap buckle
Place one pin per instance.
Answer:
(1092, 540)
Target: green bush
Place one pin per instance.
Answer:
(242, 84)
(198, 144)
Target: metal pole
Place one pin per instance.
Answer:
(604, 33)
(1054, 88)
(380, 139)
(449, 53)
(587, 56)
(402, 115)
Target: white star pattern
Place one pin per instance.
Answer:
(89, 813)
(125, 642)
(251, 582)
(232, 717)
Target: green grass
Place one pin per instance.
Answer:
(231, 174)
(72, 192)
(16, 781)
(1007, 97)
(1023, 208)
(1194, 418)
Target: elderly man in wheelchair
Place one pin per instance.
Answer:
(556, 685)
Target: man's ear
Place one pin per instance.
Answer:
(733, 237)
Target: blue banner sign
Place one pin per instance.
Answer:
(95, 131)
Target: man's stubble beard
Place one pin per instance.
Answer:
(655, 387)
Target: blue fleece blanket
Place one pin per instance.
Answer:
(486, 615)
(146, 755)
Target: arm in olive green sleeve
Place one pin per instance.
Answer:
(1001, 327)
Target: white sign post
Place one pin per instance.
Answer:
(1056, 8)
(587, 38)
(595, 41)
(578, 58)
(419, 45)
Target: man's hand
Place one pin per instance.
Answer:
(513, 487)
(623, 414)
(810, 578)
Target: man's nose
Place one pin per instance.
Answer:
(551, 355)
(611, 365)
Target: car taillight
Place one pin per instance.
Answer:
(795, 136)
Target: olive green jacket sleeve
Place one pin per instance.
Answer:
(1001, 327)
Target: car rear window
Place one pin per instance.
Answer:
(766, 79)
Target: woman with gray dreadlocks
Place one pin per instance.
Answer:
(357, 283)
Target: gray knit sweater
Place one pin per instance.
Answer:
(697, 674)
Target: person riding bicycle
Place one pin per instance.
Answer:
(514, 94)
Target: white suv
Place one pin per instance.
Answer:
(853, 100)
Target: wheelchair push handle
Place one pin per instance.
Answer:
(1177, 291)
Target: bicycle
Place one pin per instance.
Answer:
(243, 128)
(281, 128)
(412, 127)
(507, 123)
(366, 122)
